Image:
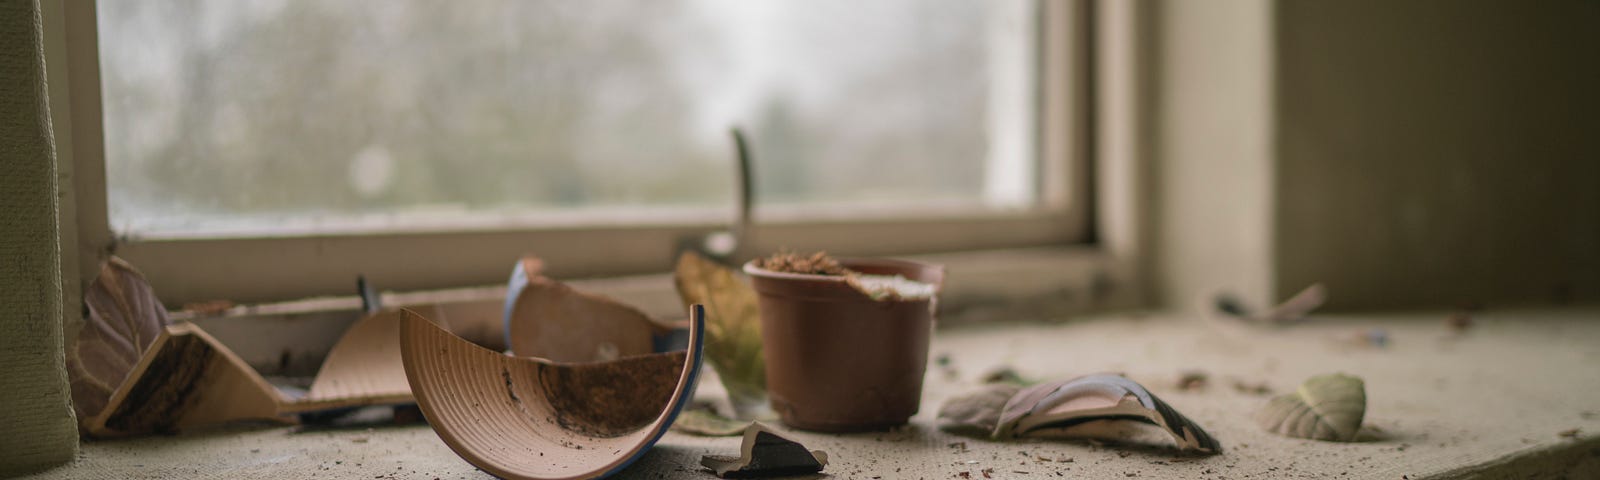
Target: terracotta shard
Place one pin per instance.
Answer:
(764, 453)
(521, 417)
(551, 320)
(1062, 405)
(124, 317)
(186, 379)
(363, 368)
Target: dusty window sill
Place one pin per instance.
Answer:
(291, 338)
(1491, 402)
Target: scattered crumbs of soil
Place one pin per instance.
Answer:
(1192, 380)
(987, 473)
(1003, 374)
(1019, 471)
(1124, 454)
(360, 440)
(1251, 388)
(788, 261)
(964, 474)
(1459, 322)
(1569, 433)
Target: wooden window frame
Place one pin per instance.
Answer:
(264, 269)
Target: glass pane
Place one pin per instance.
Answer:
(255, 115)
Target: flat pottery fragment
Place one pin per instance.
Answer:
(551, 320)
(764, 453)
(533, 418)
(363, 368)
(1325, 407)
(186, 379)
(124, 318)
(1087, 400)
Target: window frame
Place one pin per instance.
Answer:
(261, 269)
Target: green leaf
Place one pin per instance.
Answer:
(1325, 407)
(733, 324)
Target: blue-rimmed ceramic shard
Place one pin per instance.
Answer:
(533, 418)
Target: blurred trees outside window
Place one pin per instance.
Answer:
(248, 115)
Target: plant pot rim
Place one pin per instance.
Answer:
(750, 268)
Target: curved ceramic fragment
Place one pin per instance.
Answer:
(1325, 407)
(363, 368)
(551, 320)
(1097, 397)
(124, 318)
(531, 418)
(185, 379)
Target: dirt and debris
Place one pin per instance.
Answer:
(1569, 433)
(1003, 374)
(1192, 381)
(1250, 388)
(1459, 322)
(788, 261)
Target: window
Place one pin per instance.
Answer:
(298, 143)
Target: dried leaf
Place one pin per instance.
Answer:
(707, 423)
(124, 317)
(733, 324)
(1325, 407)
(978, 412)
(1066, 404)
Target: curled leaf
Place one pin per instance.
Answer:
(124, 318)
(705, 422)
(1078, 402)
(1325, 407)
(976, 413)
(733, 324)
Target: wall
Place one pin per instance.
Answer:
(1439, 152)
(37, 428)
(1413, 154)
(1212, 131)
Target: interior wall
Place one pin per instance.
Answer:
(1433, 153)
(1213, 168)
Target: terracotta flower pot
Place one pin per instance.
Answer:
(837, 360)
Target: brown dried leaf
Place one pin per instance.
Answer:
(124, 317)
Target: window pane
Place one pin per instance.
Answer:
(255, 115)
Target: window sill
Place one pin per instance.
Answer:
(1489, 402)
(291, 338)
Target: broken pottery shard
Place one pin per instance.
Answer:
(976, 413)
(186, 379)
(363, 368)
(551, 320)
(532, 418)
(1058, 405)
(124, 318)
(1325, 407)
(764, 453)
(705, 422)
(733, 324)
